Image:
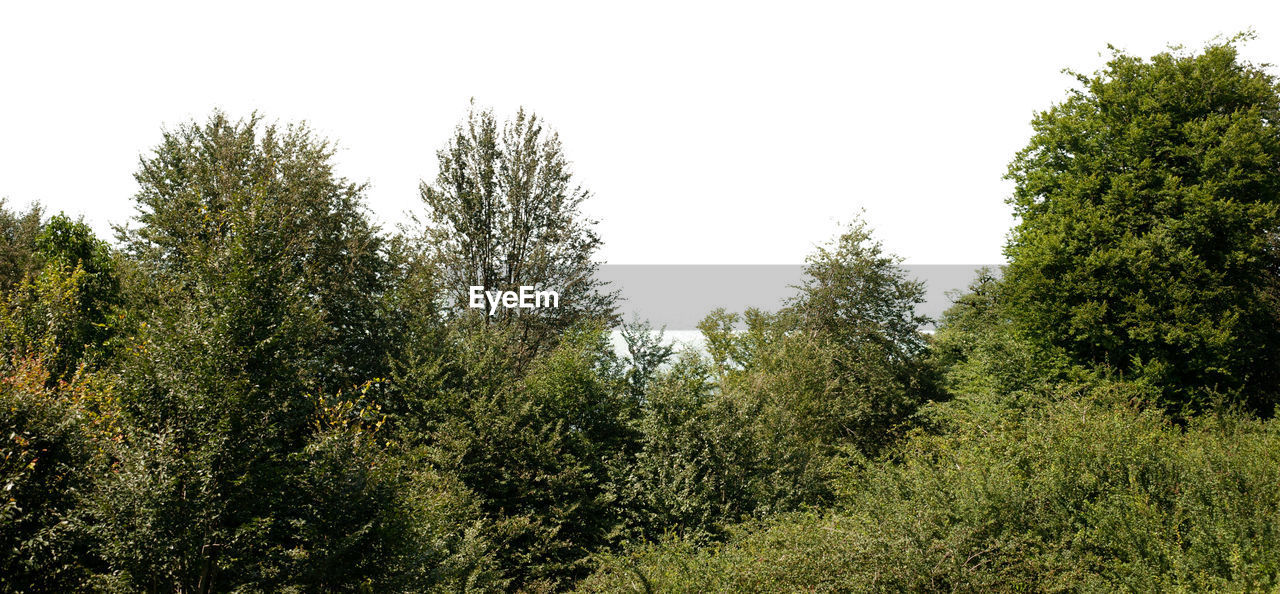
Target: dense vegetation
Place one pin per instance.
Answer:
(255, 388)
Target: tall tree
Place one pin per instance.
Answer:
(247, 206)
(1147, 202)
(504, 212)
(269, 276)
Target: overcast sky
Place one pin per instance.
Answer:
(709, 133)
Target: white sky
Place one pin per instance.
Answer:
(716, 133)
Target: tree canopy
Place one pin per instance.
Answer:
(1148, 203)
(504, 212)
(256, 388)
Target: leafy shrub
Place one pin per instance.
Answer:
(695, 470)
(539, 443)
(1085, 493)
(55, 439)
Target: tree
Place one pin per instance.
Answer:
(61, 310)
(1147, 203)
(269, 280)
(861, 297)
(18, 232)
(55, 442)
(647, 351)
(694, 471)
(253, 216)
(848, 350)
(539, 445)
(840, 369)
(504, 213)
(978, 350)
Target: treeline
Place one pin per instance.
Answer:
(256, 388)
(1106, 412)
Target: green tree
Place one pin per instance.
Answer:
(695, 469)
(503, 212)
(837, 372)
(62, 310)
(856, 293)
(55, 444)
(245, 206)
(647, 351)
(1147, 203)
(268, 279)
(539, 444)
(979, 351)
(18, 232)
(1084, 493)
(846, 358)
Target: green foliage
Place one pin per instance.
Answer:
(858, 295)
(268, 287)
(18, 231)
(56, 440)
(263, 392)
(695, 468)
(846, 359)
(373, 516)
(842, 367)
(762, 422)
(980, 352)
(537, 443)
(1082, 494)
(39, 318)
(647, 351)
(63, 309)
(502, 213)
(1147, 201)
(251, 219)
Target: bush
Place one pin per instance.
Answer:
(695, 470)
(840, 369)
(540, 444)
(54, 445)
(1086, 493)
